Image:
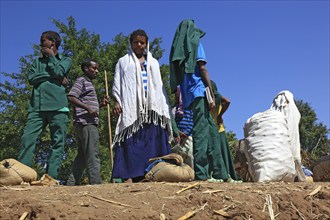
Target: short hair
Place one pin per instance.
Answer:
(138, 32)
(86, 63)
(53, 36)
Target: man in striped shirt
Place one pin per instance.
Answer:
(85, 117)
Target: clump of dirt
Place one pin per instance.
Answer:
(199, 200)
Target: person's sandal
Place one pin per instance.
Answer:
(212, 180)
(230, 180)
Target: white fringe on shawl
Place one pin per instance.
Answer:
(136, 108)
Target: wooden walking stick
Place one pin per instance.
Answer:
(109, 122)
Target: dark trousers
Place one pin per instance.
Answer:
(207, 156)
(36, 123)
(88, 155)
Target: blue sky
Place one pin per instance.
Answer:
(254, 49)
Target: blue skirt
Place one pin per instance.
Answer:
(132, 156)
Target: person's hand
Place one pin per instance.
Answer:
(182, 135)
(93, 112)
(219, 120)
(48, 51)
(64, 81)
(177, 139)
(117, 109)
(105, 101)
(212, 106)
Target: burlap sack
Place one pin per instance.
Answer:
(321, 169)
(45, 180)
(185, 150)
(8, 177)
(11, 169)
(241, 162)
(170, 169)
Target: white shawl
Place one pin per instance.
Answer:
(129, 93)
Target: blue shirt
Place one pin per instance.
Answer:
(186, 122)
(192, 85)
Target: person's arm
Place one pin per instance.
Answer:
(59, 69)
(117, 109)
(225, 105)
(206, 80)
(116, 90)
(76, 102)
(35, 76)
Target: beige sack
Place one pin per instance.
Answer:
(11, 168)
(45, 180)
(321, 169)
(8, 177)
(172, 170)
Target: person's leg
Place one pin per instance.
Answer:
(58, 122)
(90, 143)
(34, 126)
(79, 164)
(226, 155)
(217, 165)
(200, 140)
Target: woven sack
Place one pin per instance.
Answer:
(12, 168)
(268, 149)
(170, 169)
(8, 177)
(45, 180)
(321, 169)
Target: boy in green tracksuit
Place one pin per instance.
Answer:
(188, 69)
(48, 103)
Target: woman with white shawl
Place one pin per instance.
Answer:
(144, 123)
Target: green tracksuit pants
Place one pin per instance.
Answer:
(36, 123)
(207, 156)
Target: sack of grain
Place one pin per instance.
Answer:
(169, 168)
(13, 172)
(268, 148)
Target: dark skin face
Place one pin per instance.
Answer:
(48, 47)
(92, 71)
(139, 44)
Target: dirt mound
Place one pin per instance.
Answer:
(165, 201)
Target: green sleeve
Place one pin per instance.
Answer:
(35, 76)
(59, 68)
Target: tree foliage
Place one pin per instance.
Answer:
(313, 135)
(15, 94)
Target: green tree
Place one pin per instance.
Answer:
(313, 135)
(15, 94)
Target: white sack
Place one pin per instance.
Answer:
(268, 147)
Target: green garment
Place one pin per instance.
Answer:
(37, 121)
(175, 128)
(46, 75)
(207, 157)
(184, 50)
(226, 155)
(48, 106)
(224, 145)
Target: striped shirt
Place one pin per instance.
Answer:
(144, 77)
(186, 123)
(84, 90)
